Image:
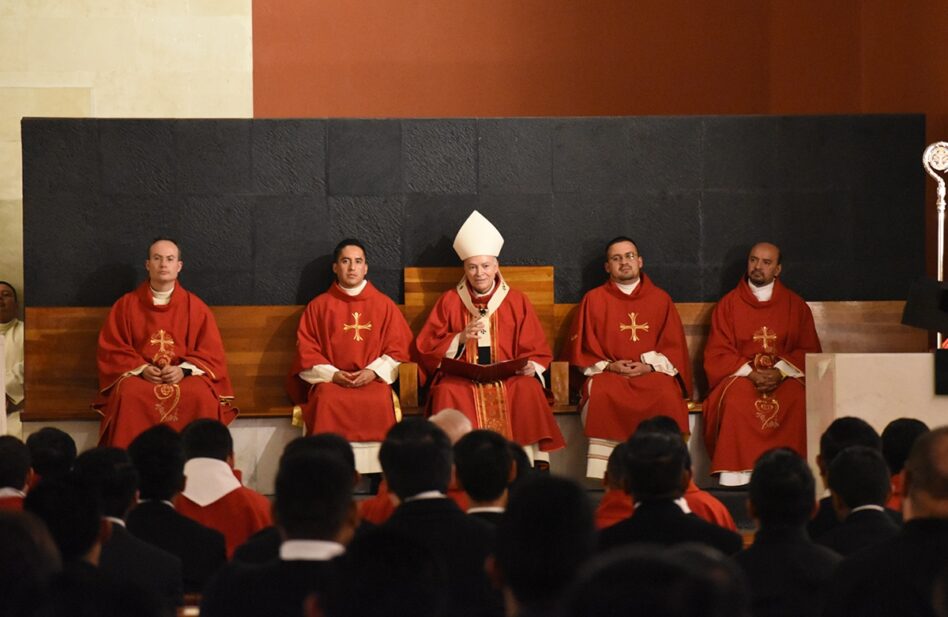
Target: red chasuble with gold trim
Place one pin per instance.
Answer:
(610, 325)
(516, 407)
(137, 332)
(349, 332)
(740, 424)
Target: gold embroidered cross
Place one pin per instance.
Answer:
(158, 338)
(765, 336)
(356, 326)
(635, 327)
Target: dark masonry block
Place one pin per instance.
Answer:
(813, 226)
(515, 156)
(732, 222)
(288, 233)
(213, 156)
(138, 156)
(584, 223)
(665, 153)
(60, 154)
(822, 281)
(526, 222)
(289, 156)
(365, 157)
(571, 282)
(440, 156)
(739, 152)
(682, 282)
(390, 281)
(375, 221)
(667, 226)
(591, 154)
(814, 153)
(216, 233)
(221, 287)
(888, 226)
(717, 280)
(887, 151)
(430, 224)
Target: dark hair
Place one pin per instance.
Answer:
(655, 463)
(28, 561)
(538, 554)
(14, 462)
(619, 239)
(926, 469)
(329, 444)
(52, 451)
(667, 425)
(110, 473)
(482, 460)
(71, 512)
(385, 574)
(206, 438)
(13, 289)
(860, 477)
(845, 432)
(897, 439)
(782, 489)
(521, 462)
(313, 496)
(336, 252)
(616, 466)
(159, 458)
(165, 239)
(416, 456)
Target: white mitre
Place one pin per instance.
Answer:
(477, 236)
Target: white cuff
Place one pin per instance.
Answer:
(385, 367)
(659, 362)
(320, 373)
(194, 370)
(788, 369)
(596, 368)
(137, 371)
(452, 351)
(539, 371)
(744, 371)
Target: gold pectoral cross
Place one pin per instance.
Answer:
(356, 326)
(634, 327)
(765, 336)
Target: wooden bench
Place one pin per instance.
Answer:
(261, 340)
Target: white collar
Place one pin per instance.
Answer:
(310, 550)
(868, 506)
(630, 287)
(115, 520)
(354, 291)
(160, 298)
(497, 509)
(9, 491)
(208, 480)
(763, 294)
(425, 495)
(680, 502)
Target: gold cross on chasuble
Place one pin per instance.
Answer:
(164, 354)
(356, 326)
(634, 327)
(765, 336)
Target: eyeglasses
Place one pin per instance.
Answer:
(620, 258)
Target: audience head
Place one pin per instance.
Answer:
(859, 476)
(72, 515)
(782, 490)
(416, 456)
(546, 534)
(656, 466)
(483, 462)
(664, 424)
(28, 561)
(314, 498)
(52, 452)
(453, 422)
(897, 439)
(159, 458)
(616, 476)
(9, 305)
(110, 473)
(842, 433)
(383, 574)
(207, 438)
(14, 463)
(926, 476)
(329, 444)
(522, 467)
(730, 592)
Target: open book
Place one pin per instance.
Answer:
(483, 372)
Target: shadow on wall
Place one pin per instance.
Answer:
(109, 281)
(314, 279)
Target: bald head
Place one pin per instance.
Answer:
(453, 422)
(926, 476)
(763, 264)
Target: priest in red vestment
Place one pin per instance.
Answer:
(483, 321)
(350, 342)
(627, 339)
(160, 357)
(760, 333)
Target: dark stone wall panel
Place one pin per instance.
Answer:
(138, 157)
(740, 152)
(591, 154)
(440, 156)
(515, 156)
(289, 156)
(213, 157)
(56, 155)
(665, 154)
(365, 157)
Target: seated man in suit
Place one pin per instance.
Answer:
(15, 472)
(213, 495)
(897, 577)
(484, 466)
(316, 517)
(898, 436)
(52, 452)
(788, 573)
(159, 459)
(416, 460)
(125, 558)
(657, 475)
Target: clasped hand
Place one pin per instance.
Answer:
(629, 368)
(766, 380)
(170, 374)
(353, 379)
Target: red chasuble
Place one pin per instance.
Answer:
(516, 407)
(137, 332)
(739, 423)
(610, 325)
(615, 506)
(238, 515)
(349, 332)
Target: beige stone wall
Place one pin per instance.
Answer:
(113, 58)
